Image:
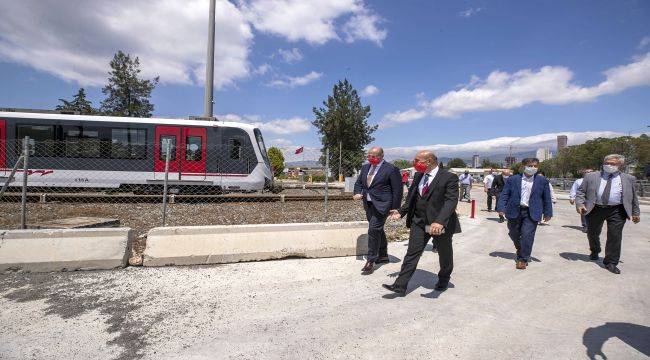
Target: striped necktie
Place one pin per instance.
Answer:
(425, 188)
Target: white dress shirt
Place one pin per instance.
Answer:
(488, 181)
(374, 168)
(574, 188)
(615, 193)
(526, 189)
(432, 174)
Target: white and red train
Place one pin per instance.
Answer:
(80, 151)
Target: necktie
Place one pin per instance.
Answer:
(608, 188)
(425, 188)
(371, 174)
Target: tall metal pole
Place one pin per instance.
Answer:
(327, 170)
(23, 203)
(165, 182)
(209, 66)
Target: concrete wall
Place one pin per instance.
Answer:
(64, 249)
(234, 243)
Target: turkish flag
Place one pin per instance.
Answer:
(300, 149)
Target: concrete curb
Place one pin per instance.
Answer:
(191, 245)
(64, 249)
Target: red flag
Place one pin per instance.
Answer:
(300, 149)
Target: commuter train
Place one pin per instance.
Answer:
(128, 154)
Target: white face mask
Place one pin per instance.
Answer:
(530, 171)
(610, 169)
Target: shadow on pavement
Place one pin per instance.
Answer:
(574, 227)
(580, 257)
(435, 293)
(421, 278)
(510, 256)
(391, 260)
(495, 219)
(636, 336)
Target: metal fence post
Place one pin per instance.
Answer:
(164, 204)
(327, 167)
(23, 204)
(11, 176)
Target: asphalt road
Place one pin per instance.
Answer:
(562, 307)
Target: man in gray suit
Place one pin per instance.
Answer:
(608, 195)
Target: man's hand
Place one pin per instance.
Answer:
(435, 229)
(582, 210)
(357, 197)
(394, 215)
(636, 219)
(572, 202)
(547, 218)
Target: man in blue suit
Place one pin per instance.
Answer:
(380, 187)
(525, 199)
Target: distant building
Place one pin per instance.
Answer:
(475, 161)
(561, 142)
(510, 160)
(543, 154)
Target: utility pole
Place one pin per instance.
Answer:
(209, 66)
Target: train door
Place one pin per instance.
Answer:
(3, 146)
(187, 152)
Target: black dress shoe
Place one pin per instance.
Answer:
(500, 220)
(435, 249)
(593, 256)
(612, 268)
(441, 286)
(368, 268)
(382, 260)
(395, 289)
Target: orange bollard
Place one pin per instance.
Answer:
(473, 213)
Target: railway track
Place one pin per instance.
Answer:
(172, 198)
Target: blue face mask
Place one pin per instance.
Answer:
(610, 169)
(530, 171)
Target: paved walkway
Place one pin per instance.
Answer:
(562, 307)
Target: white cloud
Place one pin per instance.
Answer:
(470, 12)
(290, 56)
(280, 142)
(313, 20)
(262, 69)
(499, 145)
(644, 42)
(75, 40)
(369, 90)
(551, 85)
(293, 125)
(291, 81)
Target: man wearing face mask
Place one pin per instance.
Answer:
(572, 197)
(498, 183)
(487, 182)
(523, 201)
(608, 195)
(380, 187)
(430, 210)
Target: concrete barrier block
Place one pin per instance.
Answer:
(189, 245)
(64, 249)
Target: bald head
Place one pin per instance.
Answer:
(376, 151)
(426, 157)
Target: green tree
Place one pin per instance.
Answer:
(79, 104)
(487, 164)
(402, 164)
(456, 163)
(343, 128)
(127, 94)
(277, 160)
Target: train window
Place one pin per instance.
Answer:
(41, 139)
(234, 145)
(128, 143)
(193, 148)
(168, 140)
(82, 142)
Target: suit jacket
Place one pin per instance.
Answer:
(587, 193)
(498, 183)
(539, 203)
(385, 190)
(442, 199)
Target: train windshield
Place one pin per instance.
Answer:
(260, 143)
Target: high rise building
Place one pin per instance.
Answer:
(561, 142)
(475, 161)
(543, 154)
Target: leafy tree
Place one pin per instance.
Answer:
(402, 164)
(342, 124)
(277, 160)
(456, 163)
(127, 94)
(79, 104)
(514, 169)
(487, 164)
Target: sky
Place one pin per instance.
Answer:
(456, 76)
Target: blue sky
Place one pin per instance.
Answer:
(445, 72)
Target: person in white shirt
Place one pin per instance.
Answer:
(487, 182)
(465, 186)
(572, 197)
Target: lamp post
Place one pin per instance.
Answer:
(209, 66)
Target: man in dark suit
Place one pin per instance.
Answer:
(430, 210)
(498, 184)
(380, 187)
(523, 201)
